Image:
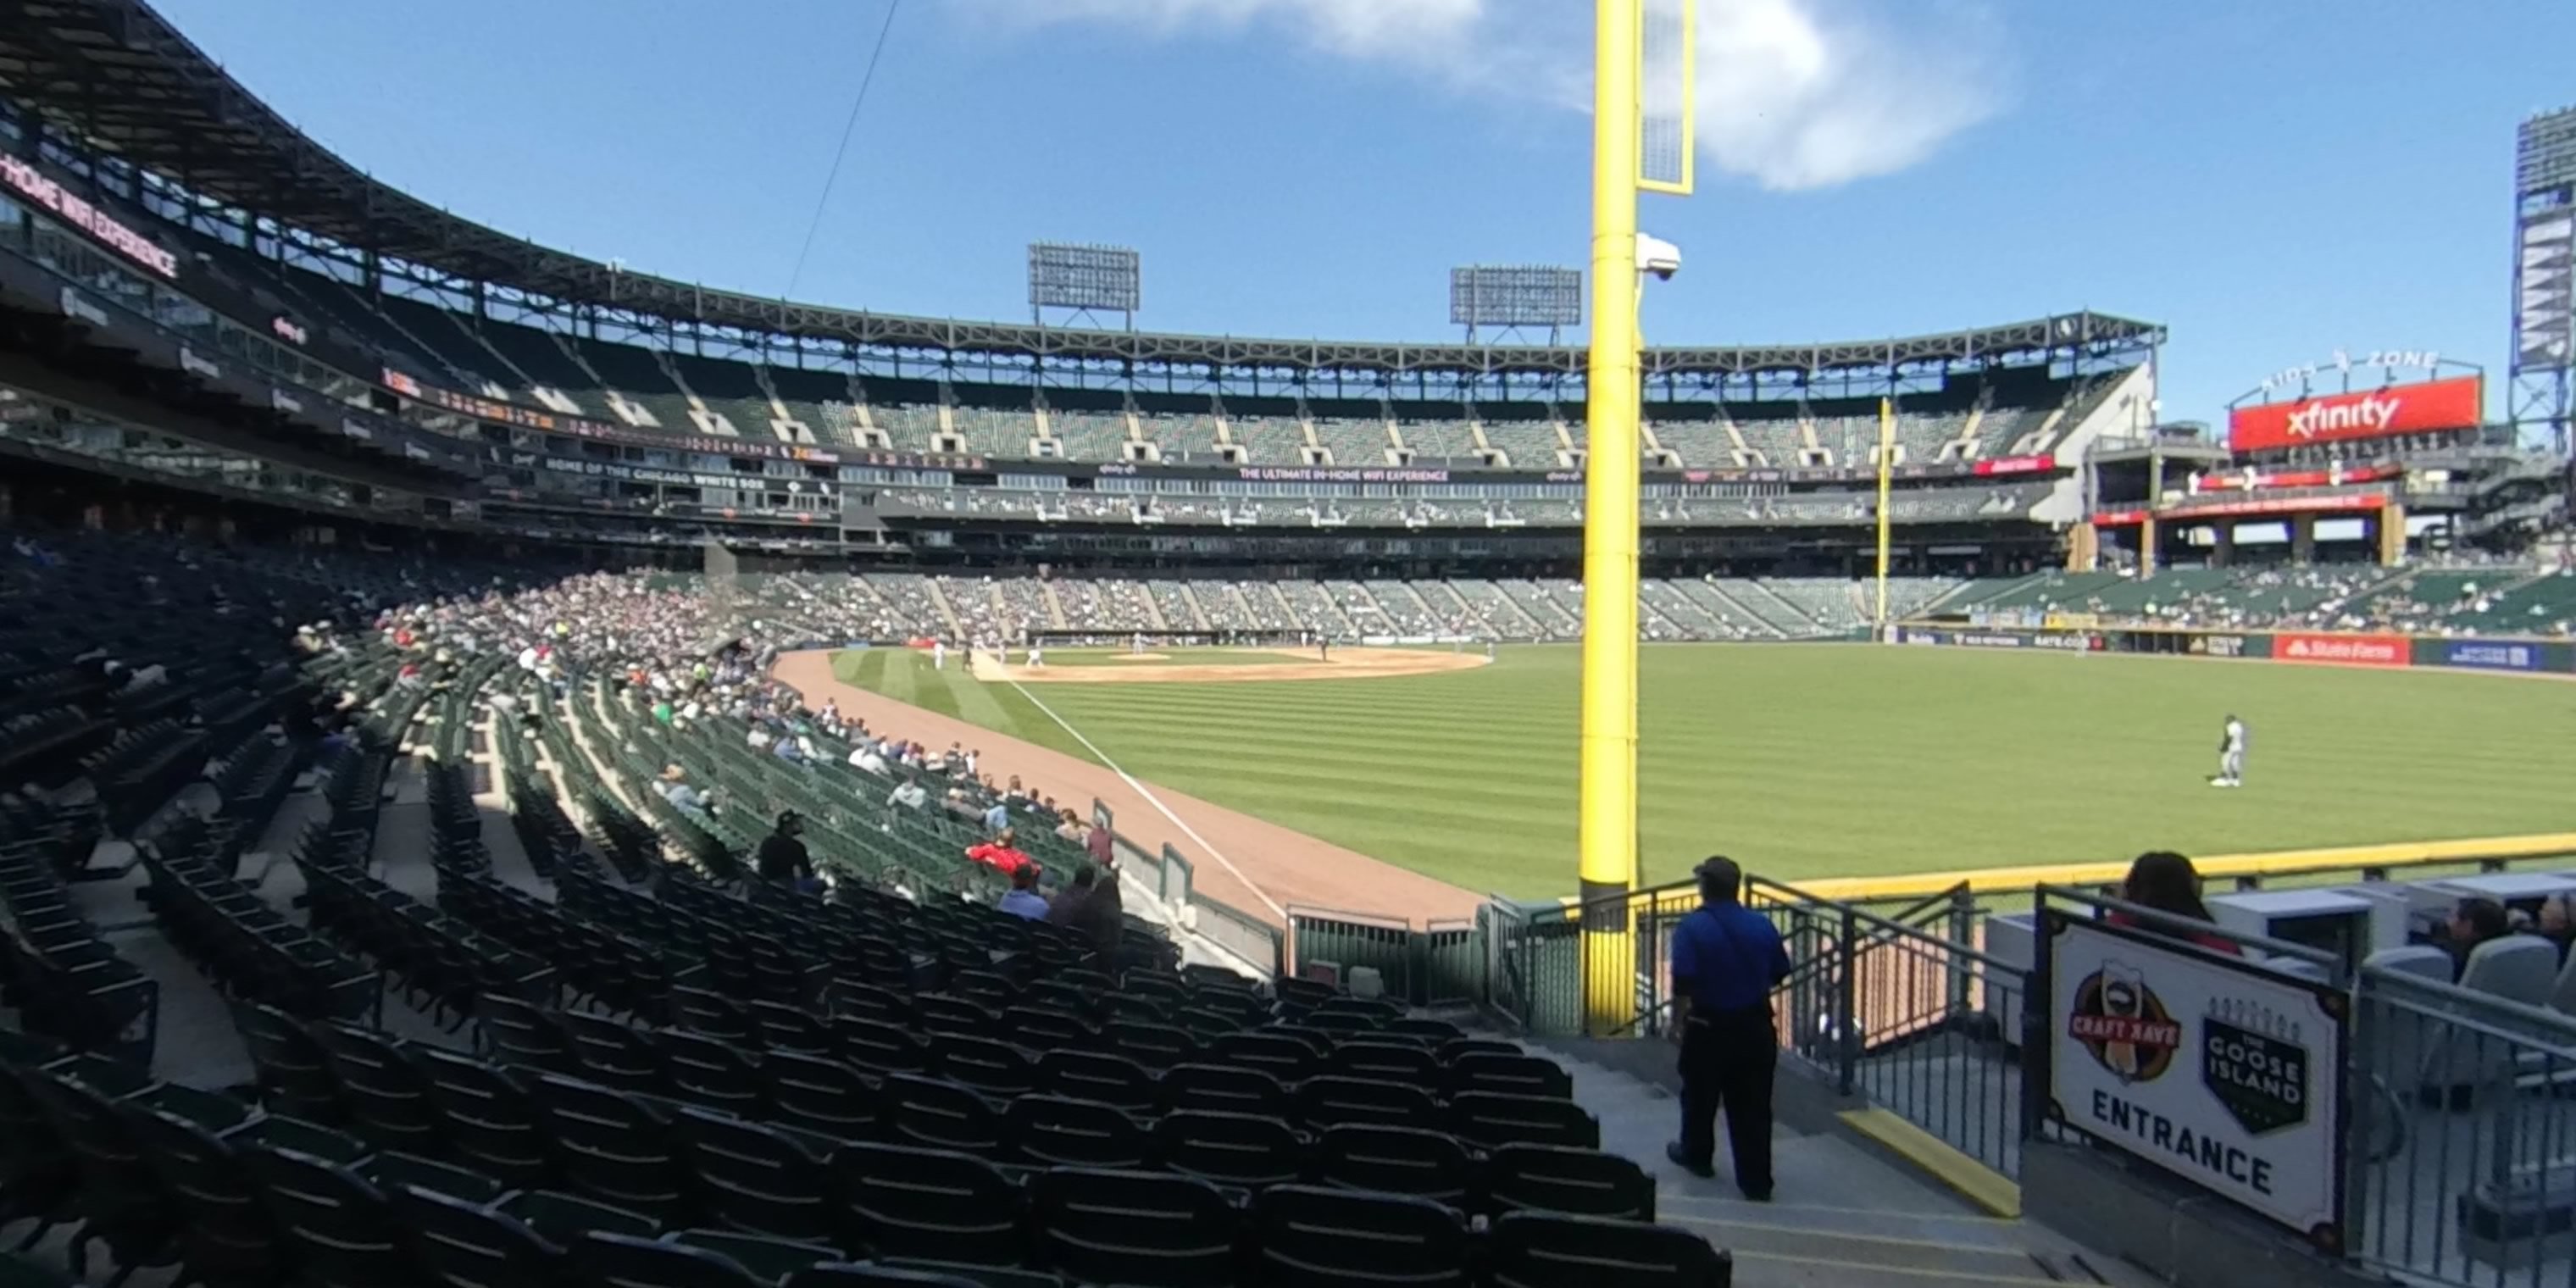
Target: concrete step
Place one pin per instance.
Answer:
(1784, 1246)
(1850, 1216)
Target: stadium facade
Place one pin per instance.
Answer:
(197, 292)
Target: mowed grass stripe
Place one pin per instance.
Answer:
(1816, 761)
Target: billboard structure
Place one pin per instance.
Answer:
(1515, 295)
(2425, 407)
(1085, 279)
(2544, 275)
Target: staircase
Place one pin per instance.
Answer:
(1846, 1216)
(1198, 612)
(1055, 607)
(947, 613)
(1735, 609)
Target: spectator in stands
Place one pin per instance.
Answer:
(674, 787)
(2474, 922)
(1066, 910)
(2557, 922)
(997, 817)
(1023, 899)
(782, 860)
(909, 793)
(868, 757)
(1069, 827)
(1101, 844)
(2168, 883)
(1726, 960)
(1004, 853)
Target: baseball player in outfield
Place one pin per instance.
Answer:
(2231, 755)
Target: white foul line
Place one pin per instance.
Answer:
(1156, 801)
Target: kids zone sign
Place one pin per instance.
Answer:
(2209, 1067)
(2424, 407)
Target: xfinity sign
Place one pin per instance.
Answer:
(2371, 415)
(2429, 406)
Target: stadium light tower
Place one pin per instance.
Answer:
(2544, 276)
(1607, 823)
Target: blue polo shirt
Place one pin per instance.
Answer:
(1727, 957)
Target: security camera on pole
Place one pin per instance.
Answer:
(1621, 168)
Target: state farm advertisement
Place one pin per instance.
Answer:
(2457, 403)
(2344, 650)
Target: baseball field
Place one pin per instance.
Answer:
(1803, 760)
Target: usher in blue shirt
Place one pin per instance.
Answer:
(1727, 957)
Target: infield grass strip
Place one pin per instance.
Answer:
(1838, 760)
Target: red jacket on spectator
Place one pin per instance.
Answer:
(994, 854)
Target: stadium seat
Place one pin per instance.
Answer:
(1280, 1055)
(1054, 1131)
(819, 1095)
(933, 1113)
(295, 1077)
(602, 1260)
(769, 1259)
(879, 1045)
(1569, 1181)
(344, 1231)
(485, 1119)
(997, 1069)
(1248, 1151)
(932, 1204)
(1396, 1160)
(708, 1071)
(614, 1149)
(1328, 1101)
(1400, 1062)
(386, 1094)
(1537, 1250)
(1518, 1075)
(753, 1178)
(1494, 1118)
(1226, 1088)
(1150, 1229)
(478, 1244)
(615, 1055)
(1310, 1237)
(1109, 1079)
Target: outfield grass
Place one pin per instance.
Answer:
(1824, 760)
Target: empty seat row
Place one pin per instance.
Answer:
(163, 1175)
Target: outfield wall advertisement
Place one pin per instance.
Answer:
(2315, 648)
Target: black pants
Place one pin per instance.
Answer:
(1728, 1059)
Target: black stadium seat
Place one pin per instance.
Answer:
(621, 1261)
(755, 1179)
(1396, 1160)
(1245, 1150)
(1309, 1237)
(1147, 1229)
(1568, 1181)
(930, 1204)
(1537, 1250)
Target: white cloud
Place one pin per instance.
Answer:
(1792, 93)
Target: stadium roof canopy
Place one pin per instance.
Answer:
(119, 80)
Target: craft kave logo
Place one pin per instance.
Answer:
(2255, 1065)
(2124, 1024)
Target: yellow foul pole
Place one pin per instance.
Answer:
(1886, 466)
(1607, 827)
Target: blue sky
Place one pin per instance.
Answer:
(2272, 178)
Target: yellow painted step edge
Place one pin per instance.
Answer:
(1976, 1182)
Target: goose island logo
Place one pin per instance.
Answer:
(2124, 1024)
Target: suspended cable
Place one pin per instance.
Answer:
(848, 127)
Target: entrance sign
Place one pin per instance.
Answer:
(2215, 1069)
